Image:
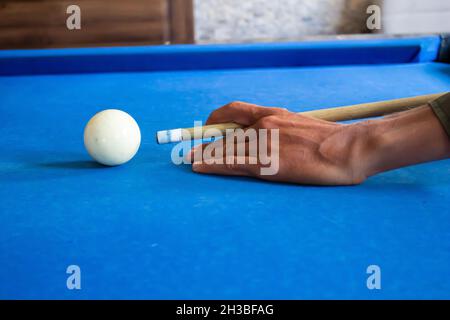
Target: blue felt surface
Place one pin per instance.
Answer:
(150, 229)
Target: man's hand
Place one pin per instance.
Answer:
(313, 151)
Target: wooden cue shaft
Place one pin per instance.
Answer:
(353, 112)
(373, 109)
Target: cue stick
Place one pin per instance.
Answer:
(353, 112)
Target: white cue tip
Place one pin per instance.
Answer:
(169, 136)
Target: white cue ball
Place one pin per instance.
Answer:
(112, 137)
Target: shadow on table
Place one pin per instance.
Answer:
(26, 167)
(82, 164)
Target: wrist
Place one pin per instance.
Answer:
(402, 139)
(377, 143)
(366, 147)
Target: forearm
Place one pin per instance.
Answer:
(407, 138)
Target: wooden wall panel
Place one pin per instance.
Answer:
(182, 21)
(42, 23)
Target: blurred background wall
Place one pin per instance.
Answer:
(416, 16)
(252, 20)
(42, 23)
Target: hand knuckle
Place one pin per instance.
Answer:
(235, 105)
(267, 122)
(214, 113)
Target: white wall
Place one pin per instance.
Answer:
(416, 16)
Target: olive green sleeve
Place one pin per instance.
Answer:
(441, 108)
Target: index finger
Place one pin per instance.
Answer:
(242, 113)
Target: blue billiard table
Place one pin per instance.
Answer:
(151, 229)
